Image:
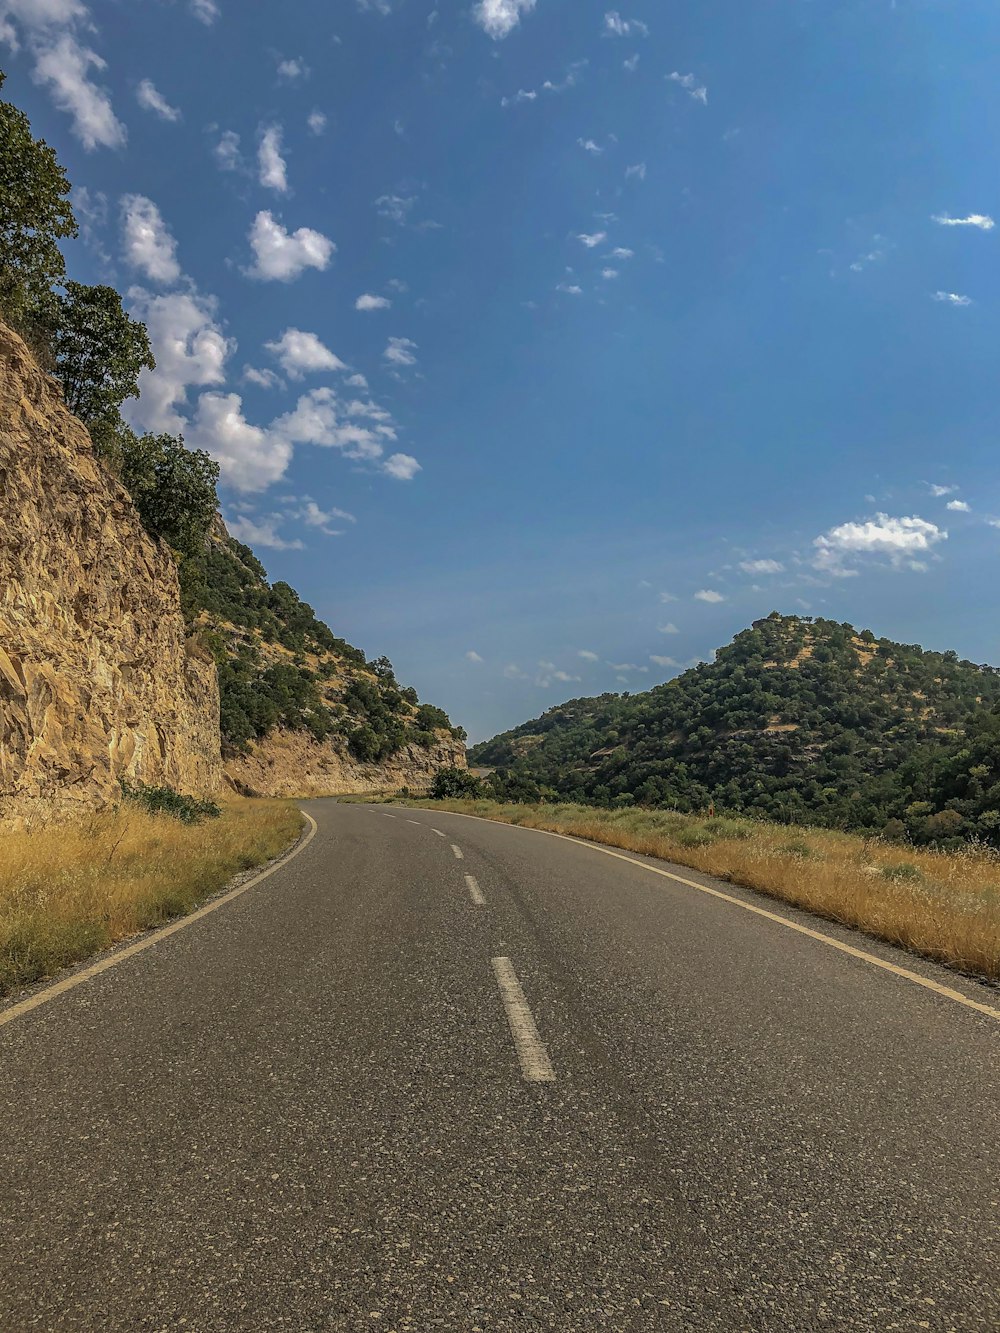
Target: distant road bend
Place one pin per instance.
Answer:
(438, 1073)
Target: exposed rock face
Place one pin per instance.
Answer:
(97, 677)
(291, 763)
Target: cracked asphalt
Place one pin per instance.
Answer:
(308, 1111)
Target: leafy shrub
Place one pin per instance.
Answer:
(455, 784)
(166, 801)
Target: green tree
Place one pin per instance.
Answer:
(99, 350)
(172, 487)
(35, 214)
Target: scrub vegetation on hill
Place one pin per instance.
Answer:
(798, 720)
(278, 664)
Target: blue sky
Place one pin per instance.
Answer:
(545, 345)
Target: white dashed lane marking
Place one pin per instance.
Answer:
(459, 854)
(438, 832)
(534, 1058)
(475, 892)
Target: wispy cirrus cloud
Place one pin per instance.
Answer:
(691, 86)
(951, 298)
(981, 221)
(150, 99)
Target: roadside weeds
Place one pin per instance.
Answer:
(69, 890)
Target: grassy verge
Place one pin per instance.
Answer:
(67, 891)
(944, 905)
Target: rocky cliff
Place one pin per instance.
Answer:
(98, 677)
(291, 763)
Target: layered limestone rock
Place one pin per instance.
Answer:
(292, 763)
(98, 679)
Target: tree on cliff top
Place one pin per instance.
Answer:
(172, 487)
(99, 351)
(35, 214)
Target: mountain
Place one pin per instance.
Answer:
(303, 711)
(122, 657)
(798, 719)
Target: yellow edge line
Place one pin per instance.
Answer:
(147, 942)
(873, 959)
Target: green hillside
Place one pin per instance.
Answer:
(797, 719)
(281, 666)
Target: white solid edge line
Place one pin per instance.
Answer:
(945, 991)
(105, 964)
(459, 854)
(531, 1053)
(475, 892)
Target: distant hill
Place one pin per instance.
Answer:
(798, 719)
(281, 668)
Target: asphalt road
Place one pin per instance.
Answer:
(332, 1104)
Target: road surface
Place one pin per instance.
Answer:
(438, 1073)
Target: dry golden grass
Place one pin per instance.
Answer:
(945, 905)
(68, 890)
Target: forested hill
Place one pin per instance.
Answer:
(797, 719)
(280, 666)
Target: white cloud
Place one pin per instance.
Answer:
(691, 86)
(320, 418)
(149, 246)
(632, 63)
(570, 288)
(942, 490)
(472, 656)
(621, 252)
(263, 378)
(370, 302)
(64, 66)
(952, 298)
(587, 655)
(666, 596)
(150, 99)
(589, 146)
(299, 353)
(638, 171)
(395, 207)
(250, 458)
(899, 540)
(522, 95)
(564, 676)
(499, 18)
(593, 240)
(959, 507)
(357, 381)
(762, 566)
(270, 163)
(190, 350)
(292, 70)
(401, 466)
(315, 517)
(663, 661)
(227, 151)
(206, 11)
(980, 220)
(668, 628)
(709, 595)
(513, 672)
(283, 255)
(399, 352)
(616, 26)
(609, 273)
(260, 532)
(316, 122)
